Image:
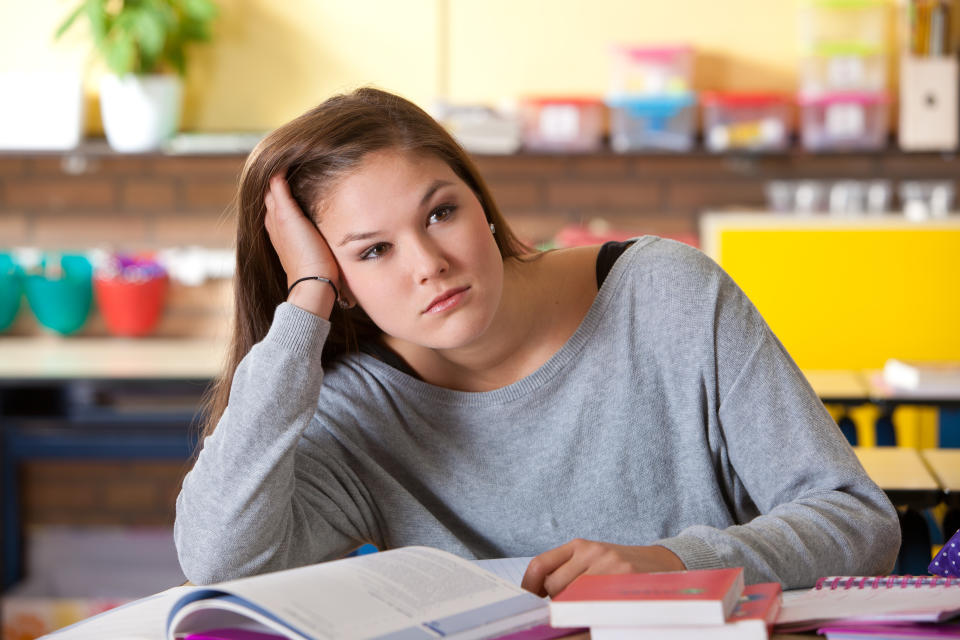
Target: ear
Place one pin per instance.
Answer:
(347, 299)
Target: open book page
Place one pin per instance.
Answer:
(510, 569)
(142, 619)
(413, 590)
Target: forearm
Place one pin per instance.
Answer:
(821, 513)
(833, 533)
(236, 508)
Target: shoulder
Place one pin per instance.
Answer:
(671, 284)
(668, 261)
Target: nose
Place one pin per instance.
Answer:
(428, 260)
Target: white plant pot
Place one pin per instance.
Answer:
(140, 111)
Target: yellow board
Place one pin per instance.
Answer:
(847, 294)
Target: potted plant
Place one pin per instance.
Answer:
(144, 44)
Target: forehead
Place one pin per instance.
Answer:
(387, 178)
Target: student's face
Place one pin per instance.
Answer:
(405, 231)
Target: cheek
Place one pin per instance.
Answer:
(360, 283)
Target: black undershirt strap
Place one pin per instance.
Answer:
(608, 255)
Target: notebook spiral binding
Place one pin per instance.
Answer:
(884, 582)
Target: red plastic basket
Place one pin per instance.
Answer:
(131, 308)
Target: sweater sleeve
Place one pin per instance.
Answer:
(256, 501)
(820, 514)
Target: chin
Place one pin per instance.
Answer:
(457, 334)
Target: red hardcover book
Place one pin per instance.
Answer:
(699, 597)
(751, 619)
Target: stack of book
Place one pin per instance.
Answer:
(710, 604)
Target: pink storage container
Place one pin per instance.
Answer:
(563, 124)
(845, 71)
(847, 120)
(664, 69)
(746, 121)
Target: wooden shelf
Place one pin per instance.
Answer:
(98, 147)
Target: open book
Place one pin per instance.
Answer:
(412, 592)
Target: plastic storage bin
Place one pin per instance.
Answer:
(652, 122)
(862, 23)
(131, 309)
(563, 124)
(651, 69)
(11, 289)
(61, 298)
(131, 291)
(837, 121)
(841, 69)
(746, 121)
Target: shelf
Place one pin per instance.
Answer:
(98, 147)
(54, 358)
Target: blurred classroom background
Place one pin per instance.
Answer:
(809, 146)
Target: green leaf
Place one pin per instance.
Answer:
(66, 24)
(195, 31)
(120, 53)
(144, 35)
(200, 10)
(96, 13)
(148, 30)
(178, 60)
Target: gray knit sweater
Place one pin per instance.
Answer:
(672, 416)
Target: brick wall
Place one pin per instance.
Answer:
(96, 198)
(100, 493)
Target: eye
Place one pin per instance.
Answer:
(441, 213)
(375, 252)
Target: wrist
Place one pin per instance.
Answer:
(330, 282)
(315, 296)
(669, 558)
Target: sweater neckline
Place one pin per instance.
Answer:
(524, 386)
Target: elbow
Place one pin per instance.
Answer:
(208, 550)
(881, 556)
(204, 561)
(892, 539)
(198, 567)
(215, 551)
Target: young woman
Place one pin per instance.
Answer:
(405, 371)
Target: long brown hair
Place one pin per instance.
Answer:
(314, 150)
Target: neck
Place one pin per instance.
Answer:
(498, 357)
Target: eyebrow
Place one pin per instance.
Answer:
(366, 235)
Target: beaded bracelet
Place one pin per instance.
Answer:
(321, 279)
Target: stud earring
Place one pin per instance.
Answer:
(493, 228)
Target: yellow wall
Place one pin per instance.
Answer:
(846, 294)
(273, 59)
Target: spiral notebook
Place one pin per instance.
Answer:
(871, 599)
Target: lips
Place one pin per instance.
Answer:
(444, 296)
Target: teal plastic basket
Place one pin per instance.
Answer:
(62, 304)
(11, 290)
